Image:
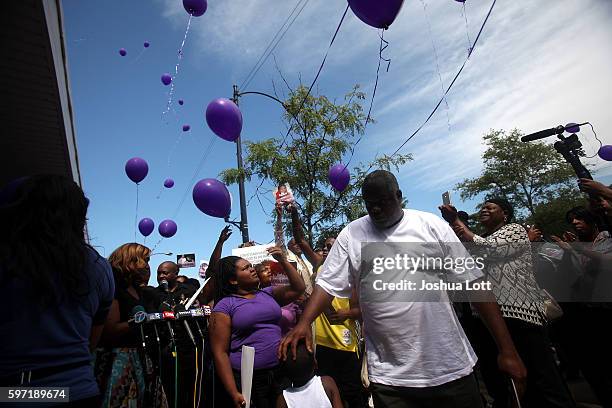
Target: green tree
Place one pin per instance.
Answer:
(321, 133)
(532, 176)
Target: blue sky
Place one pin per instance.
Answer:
(538, 64)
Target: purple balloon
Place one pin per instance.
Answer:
(379, 14)
(195, 7)
(572, 128)
(168, 183)
(186, 128)
(146, 44)
(123, 52)
(146, 226)
(167, 228)
(212, 198)
(181, 102)
(605, 152)
(136, 169)
(339, 176)
(224, 119)
(166, 79)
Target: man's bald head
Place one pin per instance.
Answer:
(168, 271)
(381, 181)
(382, 198)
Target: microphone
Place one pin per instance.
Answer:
(140, 315)
(167, 316)
(164, 285)
(184, 315)
(570, 127)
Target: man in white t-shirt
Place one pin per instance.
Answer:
(417, 353)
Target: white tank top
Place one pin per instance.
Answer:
(312, 394)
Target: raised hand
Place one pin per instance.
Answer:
(449, 213)
(534, 234)
(277, 253)
(226, 232)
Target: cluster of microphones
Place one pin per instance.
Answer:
(140, 316)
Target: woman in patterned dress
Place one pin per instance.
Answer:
(506, 249)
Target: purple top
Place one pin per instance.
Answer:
(255, 323)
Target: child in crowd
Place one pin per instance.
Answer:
(307, 389)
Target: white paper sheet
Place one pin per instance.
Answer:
(246, 373)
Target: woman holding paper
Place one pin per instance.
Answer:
(248, 316)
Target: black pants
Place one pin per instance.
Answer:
(265, 389)
(345, 368)
(546, 388)
(587, 340)
(461, 393)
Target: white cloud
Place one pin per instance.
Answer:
(538, 64)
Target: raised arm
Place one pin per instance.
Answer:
(315, 259)
(208, 293)
(287, 294)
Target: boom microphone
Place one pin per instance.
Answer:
(551, 132)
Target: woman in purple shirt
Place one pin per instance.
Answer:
(244, 315)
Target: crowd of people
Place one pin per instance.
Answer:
(98, 326)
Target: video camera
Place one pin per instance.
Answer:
(569, 147)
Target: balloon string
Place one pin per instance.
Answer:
(176, 67)
(205, 154)
(467, 27)
(155, 246)
(137, 57)
(435, 50)
(596, 138)
(136, 217)
(435, 109)
(383, 46)
(305, 98)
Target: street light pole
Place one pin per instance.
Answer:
(244, 225)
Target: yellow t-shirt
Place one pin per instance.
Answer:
(336, 336)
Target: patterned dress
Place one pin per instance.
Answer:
(509, 268)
